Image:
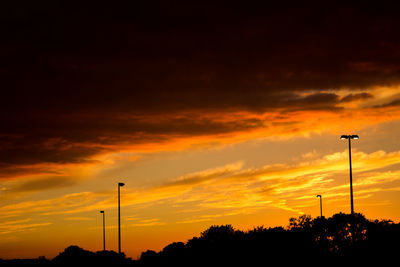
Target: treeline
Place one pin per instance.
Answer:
(340, 239)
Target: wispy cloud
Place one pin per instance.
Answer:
(9, 227)
(233, 187)
(78, 219)
(148, 222)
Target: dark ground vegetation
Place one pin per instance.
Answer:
(342, 239)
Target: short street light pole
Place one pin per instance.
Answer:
(320, 203)
(119, 217)
(104, 230)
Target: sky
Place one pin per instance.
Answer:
(210, 112)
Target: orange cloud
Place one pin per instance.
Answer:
(233, 187)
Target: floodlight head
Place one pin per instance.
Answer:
(319, 196)
(354, 136)
(102, 211)
(121, 184)
(344, 137)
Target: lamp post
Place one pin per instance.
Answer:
(119, 217)
(320, 203)
(104, 230)
(351, 175)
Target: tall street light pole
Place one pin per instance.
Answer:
(320, 203)
(119, 217)
(351, 175)
(104, 230)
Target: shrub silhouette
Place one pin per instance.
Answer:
(74, 255)
(341, 239)
(149, 258)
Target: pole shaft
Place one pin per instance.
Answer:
(104, 232)
(320, 204)
(351, 180)
(119, 222)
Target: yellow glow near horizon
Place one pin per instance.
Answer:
(180, 186)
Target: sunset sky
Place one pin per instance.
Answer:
(210, 113)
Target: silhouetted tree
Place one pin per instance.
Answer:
(149, 258)
(216, 245)
(40, 261)
(341, 239)
(73, 255)
(303, 222)
(174, 253)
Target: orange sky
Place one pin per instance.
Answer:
(210, 112)
(176, 189)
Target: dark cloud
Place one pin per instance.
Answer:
(355, 97)
(393, 103)
(74, 138)
(174, 56)
(80, 79)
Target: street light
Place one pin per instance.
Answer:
(104, 230)
(119, 218)
(320, 203)
(351, 175)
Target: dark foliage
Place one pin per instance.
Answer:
(342, 239)
(41, 261)
(75, 255)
